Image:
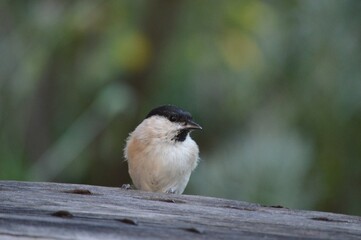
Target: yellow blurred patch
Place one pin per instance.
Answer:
(240, 51)
(133, 51)
(248, 15)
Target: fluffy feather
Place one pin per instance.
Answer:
(157, 162)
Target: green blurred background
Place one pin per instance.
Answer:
(276, 86)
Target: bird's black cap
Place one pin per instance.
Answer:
(174, 114)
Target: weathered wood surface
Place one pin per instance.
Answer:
(67, 211)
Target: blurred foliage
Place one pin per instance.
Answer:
(275, 84)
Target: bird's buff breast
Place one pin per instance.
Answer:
(161, 166)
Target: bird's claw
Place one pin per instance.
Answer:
(126, 187)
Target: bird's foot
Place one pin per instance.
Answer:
(171, 191)
(127, 187)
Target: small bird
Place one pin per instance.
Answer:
(160, 153)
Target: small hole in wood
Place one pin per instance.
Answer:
(167, 200)
(240, 208)
(194, 230)
(276, 206)
(62, 214)
(325, 219)
(128, 221)
(79, 191)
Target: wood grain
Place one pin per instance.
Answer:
(31, 210)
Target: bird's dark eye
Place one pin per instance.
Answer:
(173, 118)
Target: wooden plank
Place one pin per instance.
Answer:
(69, 211)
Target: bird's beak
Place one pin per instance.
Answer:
(192, 125)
